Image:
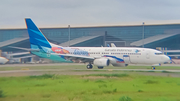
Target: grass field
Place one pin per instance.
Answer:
(93, 87)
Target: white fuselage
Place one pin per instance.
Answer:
(130, 55)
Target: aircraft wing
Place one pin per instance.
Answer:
(22, 53)
(26, 56)
(77, 57)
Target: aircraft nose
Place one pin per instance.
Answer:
(6, 60)
(3, 60)
(167, 59)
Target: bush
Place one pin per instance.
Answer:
(110, 91)
(46, 95)
(100, 81)
(102, 86)
(2, 94)
(115, 90)
(44, 76)
(40, 85)
(107, 92)
(87, 80)
(110, 75)
(140, 90)
(151, 82)
(166, 71)
(125, 98)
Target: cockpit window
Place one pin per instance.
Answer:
(159, 53)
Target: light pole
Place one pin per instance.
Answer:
(69, 34)
(143, 35)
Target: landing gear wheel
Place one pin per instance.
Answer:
(153, 68)
(89, 66)
(100, 67)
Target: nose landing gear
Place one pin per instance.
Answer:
(153, 68)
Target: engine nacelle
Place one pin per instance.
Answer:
(116, 64)
(101, 62)
(119, 64)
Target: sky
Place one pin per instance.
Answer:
(61, 13)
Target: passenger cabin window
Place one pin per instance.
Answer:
(159, 53)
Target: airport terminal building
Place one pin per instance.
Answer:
(149, 36)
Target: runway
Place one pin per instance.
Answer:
(136, 70)
(61, 64)
(80, 69)
(56, 70)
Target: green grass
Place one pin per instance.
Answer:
(110, 75)
(31, 67)
(95, 87)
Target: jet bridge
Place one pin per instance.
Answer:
(18, 42)
(12, 41)
(169, 38)
(152, 39)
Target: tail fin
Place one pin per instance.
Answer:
(36, 37)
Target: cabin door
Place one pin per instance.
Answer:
(126, 59)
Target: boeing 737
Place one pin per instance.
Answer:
(98, 56)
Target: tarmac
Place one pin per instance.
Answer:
(80, 71)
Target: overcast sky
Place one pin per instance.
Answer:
(58, 13)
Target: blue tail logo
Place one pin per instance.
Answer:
(36, 37)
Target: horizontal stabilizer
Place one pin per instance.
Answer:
(27, 49)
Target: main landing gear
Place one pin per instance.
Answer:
(89, 66)
(99, 67)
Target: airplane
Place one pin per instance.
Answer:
(98, 56)
(3, 60)
(16, 57)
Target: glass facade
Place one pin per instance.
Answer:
(127, 34)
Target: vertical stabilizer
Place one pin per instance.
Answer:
(36, 37)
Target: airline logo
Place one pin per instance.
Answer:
(136, 51)
(60, 50)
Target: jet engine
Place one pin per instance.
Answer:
(117, 64)
(101, 62)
